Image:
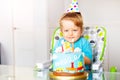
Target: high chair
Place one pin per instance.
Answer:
(97, 38)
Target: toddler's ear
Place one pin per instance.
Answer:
(82, 30)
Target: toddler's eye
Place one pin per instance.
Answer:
(66, 30)
(74, 30)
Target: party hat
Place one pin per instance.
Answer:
(73, 6)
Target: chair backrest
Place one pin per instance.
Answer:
(97, 38)
(95, 35)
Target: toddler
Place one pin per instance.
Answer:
(71, 25)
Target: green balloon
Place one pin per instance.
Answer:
(113, 69)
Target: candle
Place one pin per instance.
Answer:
(72, 45)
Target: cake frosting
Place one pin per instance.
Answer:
(69, 62)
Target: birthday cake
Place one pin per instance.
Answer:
(68, 63)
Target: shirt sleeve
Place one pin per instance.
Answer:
(87, 49)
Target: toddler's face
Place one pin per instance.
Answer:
(70, 31)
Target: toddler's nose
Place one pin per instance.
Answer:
(70, 33)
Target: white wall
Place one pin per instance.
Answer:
(55, 10)
(6, 32)
(31, 35)
(41, 30)
(24, 31)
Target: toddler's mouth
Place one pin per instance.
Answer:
(71, 37)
